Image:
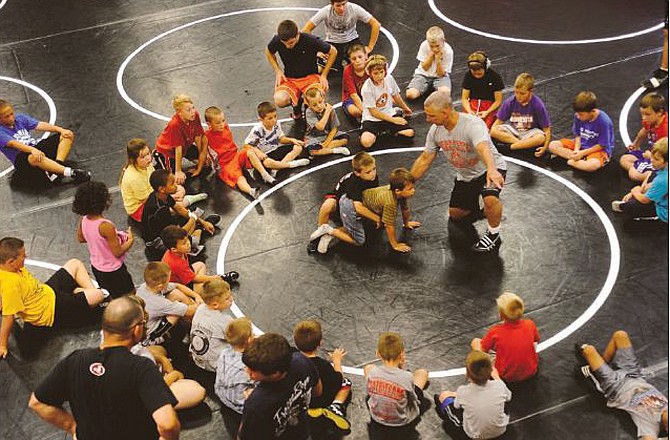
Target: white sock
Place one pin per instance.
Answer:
(266, 176)
(341, 150)
(298, 163)
(67, 172)
(191, 199)
(493, 230)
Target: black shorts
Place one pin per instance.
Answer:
(191, 154)
(48, 146)
(118, 282)
(380, 128)
(280, 152)
(72, 309)
(465, 195)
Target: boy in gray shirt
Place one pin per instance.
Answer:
(478, 408)
(321, 136)
(618, 375)
(394, 395)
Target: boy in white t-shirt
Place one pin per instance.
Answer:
(478, 408)
(379, 93)
(435, 60)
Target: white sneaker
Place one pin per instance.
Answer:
(325, 240)
(616, 205)
(342, 150)
(273, 173)
(299, 163)
(320, 231)
(255, 192)
(188, 164)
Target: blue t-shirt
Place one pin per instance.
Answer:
(658, 193)
(524, 117)
(597, 132)
(20, 133)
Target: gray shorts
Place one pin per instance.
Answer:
(521, 134)
(351, 221)
(423, 83)
(613, 375)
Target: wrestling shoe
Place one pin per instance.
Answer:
(320, 231)
(659, 77)
(487, 243)
(215, 219)
(616, 205)
(333, 414)
(80, 176)
(230, 277)
(324, 242)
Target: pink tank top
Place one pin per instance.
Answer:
(102, 257)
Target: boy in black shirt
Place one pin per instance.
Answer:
(307, 336)
(364, 176)
(277, 407)
(298, 54)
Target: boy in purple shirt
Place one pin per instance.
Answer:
(592, 146)
(33, 159)
(522, 120)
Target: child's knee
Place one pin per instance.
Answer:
(589, 350)
(297, 149)
(354, 111)
(367, 139)
(621, 338)
(412, 93)
(407, 133)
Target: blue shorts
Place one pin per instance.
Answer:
(351, 221)
(345, 104)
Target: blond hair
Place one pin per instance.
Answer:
(156, 273)
(238, 332)
(362, 159)
(434, 34)
(524, 81)
(214, 290)
(211, 113)
(510, 305)
(180, 100)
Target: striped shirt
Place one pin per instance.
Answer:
(383, 202)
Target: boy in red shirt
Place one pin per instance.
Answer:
(228, 161)
(183, 137)
(353, 77)
(513, 341)
(183, 272)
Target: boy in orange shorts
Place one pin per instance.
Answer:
(298, 52)
(592, 146)
(227, 160)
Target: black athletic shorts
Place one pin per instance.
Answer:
(72, 309)
(465, 195)
(280, 152)
(379, 128)
(118, 282)
(48, 146)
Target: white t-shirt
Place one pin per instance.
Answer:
(380, 97)
(483, 408)
(341, 28)
(424, 53)
(458, 146)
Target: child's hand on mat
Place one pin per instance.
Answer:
(412, 224)
(402, 247)
(337, 354)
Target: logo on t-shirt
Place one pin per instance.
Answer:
(382, 100)
(97, 369)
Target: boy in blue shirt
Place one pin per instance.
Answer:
(592, 146)
(31, 158)
(651, 198)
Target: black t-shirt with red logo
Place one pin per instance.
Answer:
(112, 393)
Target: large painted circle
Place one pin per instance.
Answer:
(623, 116)
(2, 3)
(43, 94)
(615, 253)
(119, 75)
(455, 24)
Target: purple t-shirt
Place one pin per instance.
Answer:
(524, 117)
(20, 133)
(597, 132)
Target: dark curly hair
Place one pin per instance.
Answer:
(91, 198)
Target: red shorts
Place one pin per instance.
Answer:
(295, 87)
(600, 155)
(232, 170)
(137, 215)
(479, 105)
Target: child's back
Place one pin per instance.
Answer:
(483, 408)
(232, 380)
(158, 309)
(383, 202)
(391, 396)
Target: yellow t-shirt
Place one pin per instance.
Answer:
(135, 187)
(22, 294)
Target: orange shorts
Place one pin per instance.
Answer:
(600, 155)
(232, 170)
(295, 87)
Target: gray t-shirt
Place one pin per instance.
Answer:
(483, 408)
(314, 136)
(643, 402)
(159, 308)
(459, 145)
(208, 336)
(391, 397)
(231, 379)
(341, 28)
(379, 97)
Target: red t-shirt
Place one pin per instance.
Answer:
(177, 133)
(658, 132)
(182, 272)
(351, 83)
(516, 358)
(222, 144)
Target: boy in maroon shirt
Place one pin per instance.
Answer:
(513, 341)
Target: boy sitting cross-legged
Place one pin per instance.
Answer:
(336, 388)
